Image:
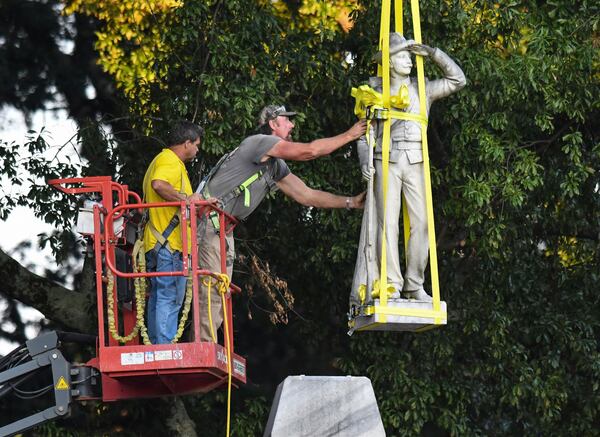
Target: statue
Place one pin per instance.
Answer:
(405, 177)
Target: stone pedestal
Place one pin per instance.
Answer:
(323, 406)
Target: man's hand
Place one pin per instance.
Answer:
(367, 172)
(420, 49)
(358, 130)
(358, 201)
(193, 198)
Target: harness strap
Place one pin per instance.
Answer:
(213, 170)
(162, 240)
(225, 199)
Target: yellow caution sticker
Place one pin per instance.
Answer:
(61, 384)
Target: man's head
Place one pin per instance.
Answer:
(275, 120)
(184, 139)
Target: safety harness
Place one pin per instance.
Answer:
(162, 240)
(244, 187)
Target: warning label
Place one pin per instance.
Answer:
(132, 358)
(178, 355)
(163, 355)
(239, 368)
(61, 384)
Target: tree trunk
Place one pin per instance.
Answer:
(66, 307)
(179, 422)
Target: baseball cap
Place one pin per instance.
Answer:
(271, 112)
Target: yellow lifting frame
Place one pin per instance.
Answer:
(438, 315)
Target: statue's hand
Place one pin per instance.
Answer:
(367, 172)
(420, 49)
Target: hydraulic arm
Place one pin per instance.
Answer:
(68, 382)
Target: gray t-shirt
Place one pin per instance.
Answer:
(242, 164)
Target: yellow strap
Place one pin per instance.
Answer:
(208, 281)
(224, 282)
(367, 98)
(398, 17)
(435, 287)
(244, 186)
(438, 316)
(385, 146)
(223, 289)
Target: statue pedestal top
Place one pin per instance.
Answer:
(398, 315)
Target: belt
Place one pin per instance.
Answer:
(406, 145)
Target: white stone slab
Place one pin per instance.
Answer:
(343, 406)
(396, 322)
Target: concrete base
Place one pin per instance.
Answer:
(363, 321)
(324, 406)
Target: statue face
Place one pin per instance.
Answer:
(400, 63)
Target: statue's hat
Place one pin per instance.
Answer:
(397, 43)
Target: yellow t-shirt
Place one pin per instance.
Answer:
(166, 166)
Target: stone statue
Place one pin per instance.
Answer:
(405, 177)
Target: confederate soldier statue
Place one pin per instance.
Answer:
(405, 178)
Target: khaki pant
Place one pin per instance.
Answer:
(209, 258)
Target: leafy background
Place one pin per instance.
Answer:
(515, 159)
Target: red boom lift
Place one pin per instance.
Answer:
(129, 370)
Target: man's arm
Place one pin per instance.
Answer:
(170, 194)
(324, 146)
(292, 186)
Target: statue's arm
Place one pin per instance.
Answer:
(454, 79)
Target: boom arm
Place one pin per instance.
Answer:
(44, 352)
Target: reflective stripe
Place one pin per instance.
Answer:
(244, 187)
(214, 219)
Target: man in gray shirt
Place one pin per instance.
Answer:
(242, 179)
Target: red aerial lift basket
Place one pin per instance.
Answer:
(135, 370)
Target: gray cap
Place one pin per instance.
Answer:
(271, 112)
(397, 43)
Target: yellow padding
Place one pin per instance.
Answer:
(409, 312)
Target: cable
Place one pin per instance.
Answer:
(19, 350)
(22, 394)
(207, 281)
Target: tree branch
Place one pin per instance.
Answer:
(63, 306)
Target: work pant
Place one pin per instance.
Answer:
(166, 295)
(209, 258)
(405, 179)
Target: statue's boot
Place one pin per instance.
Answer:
(395, 295)
(419, 295)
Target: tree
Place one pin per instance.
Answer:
(514, 159)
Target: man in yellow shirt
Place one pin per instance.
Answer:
(166, 180)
